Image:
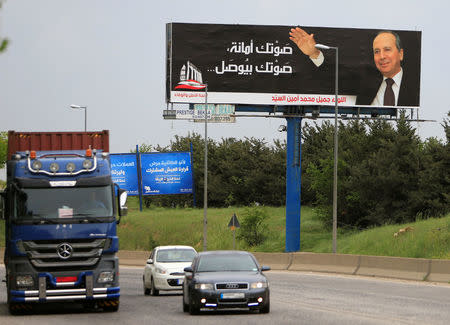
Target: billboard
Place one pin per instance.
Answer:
(166, 173)
(124, 172)
(261, 65)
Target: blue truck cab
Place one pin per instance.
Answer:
(61, 210)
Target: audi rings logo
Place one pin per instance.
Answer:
(64, 251)
(232, 286)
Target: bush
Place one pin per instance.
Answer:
(152, 243)
(253, 227)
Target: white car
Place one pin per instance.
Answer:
(165, 268)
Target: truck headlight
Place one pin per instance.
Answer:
(204, 286)
(36, 165)
(24, 280)
(258, 285)
(105, 277)
(54, 167)
(70, 167)
(87, 164)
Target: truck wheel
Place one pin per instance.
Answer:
(146, 290)
(153, 290)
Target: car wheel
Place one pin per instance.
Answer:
(146, 290)
(266, 308)
(153, 290)
(193, 310)
(185, 306)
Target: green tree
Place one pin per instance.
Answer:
(3, 41)
(385, 175)
(240, 172)
(3, 148)
(317, 145)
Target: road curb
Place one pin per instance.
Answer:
(418, 269)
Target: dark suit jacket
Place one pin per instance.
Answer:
(408, 95)
(364, 81)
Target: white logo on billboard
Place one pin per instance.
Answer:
(190, 77)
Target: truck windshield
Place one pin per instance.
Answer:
(86, 203)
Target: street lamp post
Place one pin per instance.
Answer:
(335, 169)
(205, 188)
(85, 113)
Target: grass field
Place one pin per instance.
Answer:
(184, 226)
(162, 226)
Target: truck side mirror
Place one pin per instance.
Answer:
(121, 202)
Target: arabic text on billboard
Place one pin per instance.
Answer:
(124, 172)
(256, 64)
(166, 173)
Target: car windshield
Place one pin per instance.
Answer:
(63, 203)
(175, 255)
(220, 263)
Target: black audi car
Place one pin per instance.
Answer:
(225, 279)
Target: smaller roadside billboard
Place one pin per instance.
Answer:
(124, 172)
(166, 173)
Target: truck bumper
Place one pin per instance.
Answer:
(63, 291)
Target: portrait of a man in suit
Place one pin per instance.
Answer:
(391, 86)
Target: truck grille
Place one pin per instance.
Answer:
(71, 253)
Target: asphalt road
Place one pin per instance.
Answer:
(296, 298)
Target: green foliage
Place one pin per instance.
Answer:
(253, 229)
(3, 148)
(430, 238)
(240, 172)
(386, 174)
(152, 243)
(4, 42)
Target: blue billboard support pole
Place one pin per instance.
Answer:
(293, 183)
(193, 183)
(139, 175)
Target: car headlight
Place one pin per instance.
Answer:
(106, 277)
(160, 270)
(258, 285)
(204, 286)
(24, 280)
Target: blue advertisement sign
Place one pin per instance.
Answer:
(166, 173)
(124, 172)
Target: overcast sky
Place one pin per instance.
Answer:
(110, 56)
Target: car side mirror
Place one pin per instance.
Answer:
(265, 268)
(188, 269)
(149, 261)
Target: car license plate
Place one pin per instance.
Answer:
(180, 281)
(232, 295)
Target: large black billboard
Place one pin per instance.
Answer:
(268, 65)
